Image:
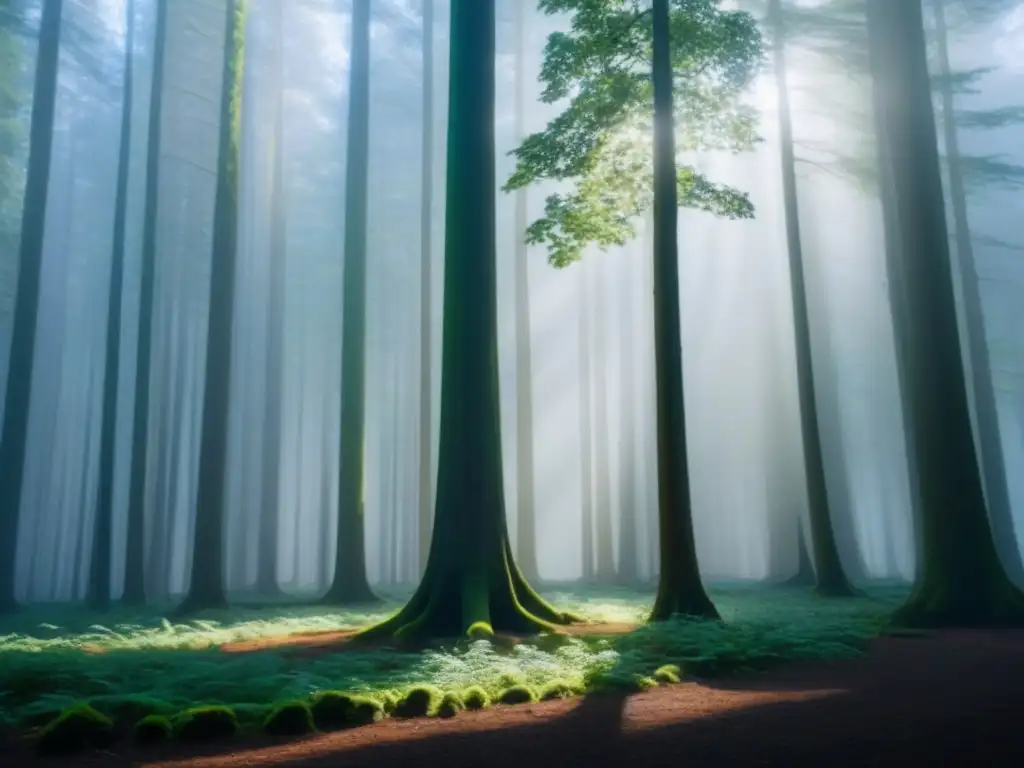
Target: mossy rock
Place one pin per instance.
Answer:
(205, 724)
(475, 697)
(451, 704)
(421, 701)
(517, 694)
(556, 689)
(481, 630)
(153, 729)
(75, 729)
(289, 718)
(130, 709)
(335, 710)
(668, 674)
(510, 680)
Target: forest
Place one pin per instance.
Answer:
(393, 380)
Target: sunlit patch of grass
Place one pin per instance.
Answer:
(139, 664)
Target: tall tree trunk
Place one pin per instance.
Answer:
(628, 568)
(206, 585)
(18, 393)
(962, 581)
(993, 464)
(471, 581)
(135, 544)
(270, 497)
(393, 480)
(426, 464)
(586, 437)
(350, 585)
(680, 590)
(830, 580)
(326, 505)
(99, 577)
(526, 520)
(604, 537)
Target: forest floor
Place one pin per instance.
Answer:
(946, 699)
(251, 658)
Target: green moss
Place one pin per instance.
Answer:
(421, 701)
(517, 694)
(130, 709)
(205, 723)
(76, 728)
(335, 710)
(481, 630)
(475, 697)
(389, 700)
(289, 718)
(511, 679)
(644, 683)
(153, 729)
(451, 704)
(557, 689)
(668, 674)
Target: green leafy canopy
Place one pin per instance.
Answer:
(603, 140)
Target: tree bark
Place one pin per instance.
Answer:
(962, 581)
(680, 589)
(135, 543)
(350, 584)
(206, 585)
(18, 392)
(471, 581)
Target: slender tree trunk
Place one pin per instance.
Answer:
(962, 581)
(680, 590)
(206, 585)
(526, 522)
(471, 583)
(586, 438)
(18, 393)
(426, 465)
(350, 585)
(326, 502)
(605, 539)
(394, 498)
(993, 464)
(99, 581)
(628, 568)
(135, 545)
(270, 498)
(830, 578)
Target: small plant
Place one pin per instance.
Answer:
(668, 674)
(335, 710)
(289, 718)
(152, 729)
(556, 689)
(517, 694)
(421, 701)
(76, 728)
(475, 697)
(451, 704)
(642, 683)
(205, 724)
(510, 679)
(389, 700)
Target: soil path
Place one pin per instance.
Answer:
(952, 699)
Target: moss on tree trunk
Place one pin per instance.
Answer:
(471, 577)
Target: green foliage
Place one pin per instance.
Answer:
(76, 728)
(517, 694)
(603, 140)
(476, 697)
(153, 729)
(421, 701)
(334, 710)
(557, 689)
(667, 674)
(289, 718)
(205, 724)
(50, 659)
(451, 704)
(481, 630)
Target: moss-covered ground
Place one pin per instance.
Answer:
(136, 664)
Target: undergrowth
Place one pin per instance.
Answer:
(139, 665)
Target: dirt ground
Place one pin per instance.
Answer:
(952, 699)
